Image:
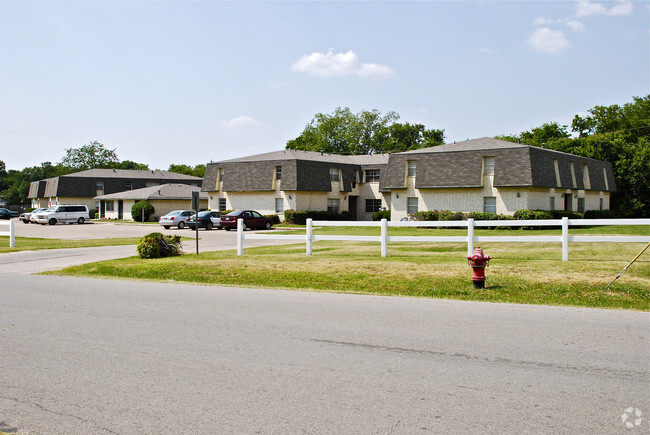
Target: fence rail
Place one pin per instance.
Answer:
(470, 239)
(11, 233)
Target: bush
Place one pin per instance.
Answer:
(155, 245)
(92, 213)
(602, 214)
(300, 217)
(382, 214)
(559, 214)
(275, 219)
(139, 207)
(426, 215)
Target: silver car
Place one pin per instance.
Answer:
(176, 218)
(30, 217)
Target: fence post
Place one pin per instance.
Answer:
(12, 234)
(470, 236)
(565, 239)
(308, 236)
(240, 237)
(384, 237)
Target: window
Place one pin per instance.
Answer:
(278, 172)
(279, 205)
(573, 176)
(334, 174)
(551, 205)
(97, 205)
(110, 206)
(490, 204)
(372, 175)
(411, 168)
(333, 205)
(128, 185)
(220, 174)
(581, 205)
(373, 205)
(489, 165)
(222, 204)
(99, 188)
(586, 182)
(411, 205)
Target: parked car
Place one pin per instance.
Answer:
(252, 220)
(207, 220)
(27, 217)
(68, 213)
(176, 218)
(7, 214)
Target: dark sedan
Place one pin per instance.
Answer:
(251, 218)
(207, 220)
(7, 214)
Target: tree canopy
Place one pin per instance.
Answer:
(617, 134)
(90, 156)
(343, 132)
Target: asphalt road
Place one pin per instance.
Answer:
(81, 356)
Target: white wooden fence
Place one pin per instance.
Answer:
(11, 233)
(470, 239)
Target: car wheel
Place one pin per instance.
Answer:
(181, 225)
(52, 221)
(227, 228)
(243, 226)
(25, 222)
(268, 225)
(208, 226)
(81, 220)
(166, 227)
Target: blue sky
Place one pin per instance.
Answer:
(188, 82)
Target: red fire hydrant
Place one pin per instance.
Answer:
(478, 260)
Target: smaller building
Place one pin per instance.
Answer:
(164, 198)
(82, 187)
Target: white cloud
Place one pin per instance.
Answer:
(332, 64)
(238, 123)
(586, 8)
(543, 21)
(575, 25)
(549, 41)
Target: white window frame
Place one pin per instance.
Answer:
(490, 204)
(412, 205)
(333, 205)
(279, 205)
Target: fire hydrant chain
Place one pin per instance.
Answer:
(478, 261)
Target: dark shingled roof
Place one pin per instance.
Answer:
(301, 170)
(83, 184)
(516, 165)
(163, 191)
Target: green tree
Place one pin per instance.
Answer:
(90, 156)
(128, 164)
(343, 132)
(196, 171)
(140, 208)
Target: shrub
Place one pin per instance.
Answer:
(426, 215)
(155, 245)
(559, 214)
(139, 207)
(300, 217)
(602, 214)
(92, 213)
(382, 214)
(275, 219)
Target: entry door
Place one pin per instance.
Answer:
(120, 209)
(568, 201)
(352, 207)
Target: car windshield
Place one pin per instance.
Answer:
(50, 208)
(235, 213)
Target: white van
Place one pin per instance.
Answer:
(63, 213)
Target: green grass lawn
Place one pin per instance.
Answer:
(528, 273)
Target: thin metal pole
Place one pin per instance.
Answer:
(628, 265)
